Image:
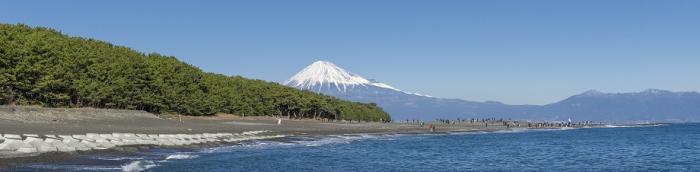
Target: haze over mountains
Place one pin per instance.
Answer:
(648, 105)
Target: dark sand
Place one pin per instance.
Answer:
(37, 120)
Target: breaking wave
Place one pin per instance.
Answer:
(296, 141)
(137, 166)
(181, 156)
(74, 167)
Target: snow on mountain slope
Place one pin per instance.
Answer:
(323, 74)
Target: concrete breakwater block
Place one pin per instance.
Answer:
(33, 143)
(12, 145)
(92, 135)
(40, 145)
(88, 144)
(182, 136)
(27, 150)
(117, 142)
(46, 148)
(70, 141)
(165, 143)
(130, 141)
(61, 147)
(51, 140)
(82, 148)
(166, 135)
(143, 136)
(16, 145)
(123, 135)
(12, 136)
(116, 135)
(58, 144)
(32, 140)
(104, 144)
(129, 135)
(89, 139)
(30, 135)
(66, 148)
(78, 136)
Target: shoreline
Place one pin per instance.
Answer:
(187, 150)
(31, 130)
(57, 157)
(52, 134)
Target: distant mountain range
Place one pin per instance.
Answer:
(648, 105)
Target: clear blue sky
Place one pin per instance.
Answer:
(517, 52)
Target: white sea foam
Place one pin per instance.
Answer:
(345, 139)
(247, 145)
(97, 168)
(567, 128)
(514, 130)
(118, 158)
(136, 166)
(74, 167)
(467, 132)
(616, 126)
(302, 141)
(327, 140)
(181, 156)
(255, 132)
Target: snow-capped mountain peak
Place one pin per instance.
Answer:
(592, 93)
(326, 74)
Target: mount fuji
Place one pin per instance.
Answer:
(649, 105)
(326, 77)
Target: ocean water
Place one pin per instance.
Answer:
(671, 147)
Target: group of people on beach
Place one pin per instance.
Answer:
(459, 121)
(560, 124)
(508, 123)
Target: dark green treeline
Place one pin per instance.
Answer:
(40, 66)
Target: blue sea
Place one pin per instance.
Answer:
(667, 147)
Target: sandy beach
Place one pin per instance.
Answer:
(38, 120)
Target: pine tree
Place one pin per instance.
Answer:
(40, 66)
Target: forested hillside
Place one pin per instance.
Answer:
(40, 66)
